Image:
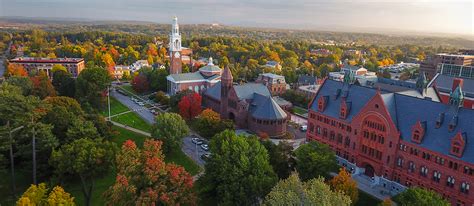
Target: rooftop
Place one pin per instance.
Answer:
(46, 60)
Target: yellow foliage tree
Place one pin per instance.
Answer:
(15, 70)
(36, 195)
(58, 67)
(386, 202)
(343, 182)
(210, 115)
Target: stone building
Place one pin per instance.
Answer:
(249, 105)
(73, 65)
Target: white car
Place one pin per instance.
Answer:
(141, 104)
(205, 147)
(303, 128)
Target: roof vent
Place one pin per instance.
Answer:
(336, 94)
(453, 123)
(439, 120)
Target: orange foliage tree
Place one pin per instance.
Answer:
(42, 86)
(16, 70)
(343, 182)
(190, 106)
(143, 178)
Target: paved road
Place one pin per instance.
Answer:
(193, 151)
(143, 112)
(2, 59)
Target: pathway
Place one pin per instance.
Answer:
(131, 129)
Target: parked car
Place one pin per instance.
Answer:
(141, 104)
(197, 141)
(205, 147)
(205, 156)
(303, 128)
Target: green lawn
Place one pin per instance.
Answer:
(132, 119)
(115, 108)
(366, 200)
(299, 110)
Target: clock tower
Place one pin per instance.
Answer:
(175, 48)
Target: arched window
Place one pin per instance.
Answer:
(190, 88)
(196, 89)
(202, 87)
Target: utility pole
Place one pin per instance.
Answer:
(12, 163)
(34, 152)
(108, 100)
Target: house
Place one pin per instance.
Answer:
(275, 83)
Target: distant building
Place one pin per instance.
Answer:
(73, 65)
(120, 70)
(308, 90)
(306, 80)
(431, 65)
(275, 83)
(274, 65)
(352, 52)
(321, 52)
(198, 81)
(138, 65)
(249, 105)
(395, 140)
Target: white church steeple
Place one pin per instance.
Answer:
(175, 37)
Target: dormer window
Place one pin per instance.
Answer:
(343, 113)
(439, 120)
(457, 144)
(322, 101)
(453, 123)
(418, 131)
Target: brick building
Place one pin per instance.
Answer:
(396, 139)
(449, 78)
(431, 66)
(249, 105)
(73, 65)
(275, 83)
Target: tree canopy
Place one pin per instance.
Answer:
(170, 128)
(421, 197)
(315, 159)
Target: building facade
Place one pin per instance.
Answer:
(452, 76)
(198, 81)
(432, 66)
(398, 140)
(275, 83)
(249, 105)
(73, 65)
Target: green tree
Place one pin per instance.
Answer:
(315, 159)
(24, 83)
(238, 171)
(86, 158)
(58, 67)
(91, 85)
(419, 196)
(292, 191)
(281, 157)
(171, 129)
(143, 178)
(64, 83)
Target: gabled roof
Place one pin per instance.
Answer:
(193, 76)
(306, 79)
(358, 95)
(246, 91)
(264, 107)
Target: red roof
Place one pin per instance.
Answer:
(46, 60)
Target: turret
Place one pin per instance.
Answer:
(226, 86)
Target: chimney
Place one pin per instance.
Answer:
(457, 82)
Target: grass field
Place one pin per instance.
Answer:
(299, 110)
(115, 108)
(132, 119)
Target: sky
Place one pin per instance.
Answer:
(427, 16)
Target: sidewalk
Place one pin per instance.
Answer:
(131, 129)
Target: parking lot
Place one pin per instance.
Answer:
(193, 150)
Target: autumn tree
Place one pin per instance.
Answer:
(419, 196)
(143, 178)
(15, 70)
(238, 171)
(171, 129)
(315, 159)
(42, 86)
(190, 106)
(38, 195)
(293, 191)
(140, 83)
(209, 123)
(386, 202)
(344, 183)
(175, 99)
(161, 98)
(58, 67)
(84, 158)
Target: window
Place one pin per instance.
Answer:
(318, 130)
(411, 166)
(465, 187)
(400, 162)
(423, 171)
(436, 176)
(450, 181)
